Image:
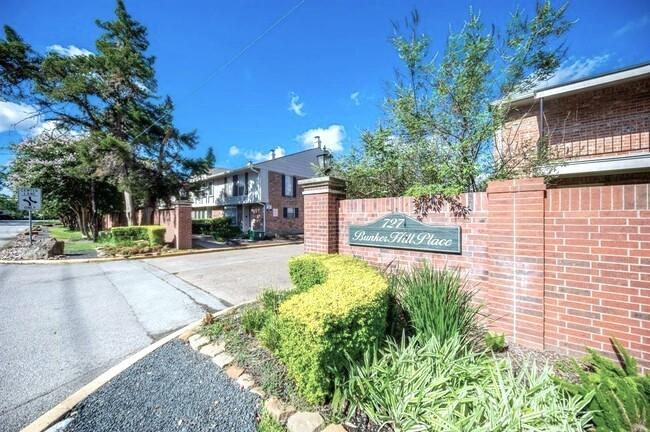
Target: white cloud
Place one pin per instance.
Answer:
(331, 137)
(258, 156)
(354, 97)
(21, 118)
(633, 25)
(296, 106)
(69, 51)
(576, 69)
(233, 151)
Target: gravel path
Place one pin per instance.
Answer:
(172, 389)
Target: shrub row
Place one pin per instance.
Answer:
(338, 312)
(219, 228)
(154, 234)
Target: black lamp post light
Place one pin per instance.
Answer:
(324, 159)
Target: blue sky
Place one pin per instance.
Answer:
(323, 71)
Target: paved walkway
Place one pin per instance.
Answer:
(62, 325)
(234, 276)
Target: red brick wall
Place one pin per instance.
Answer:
(613, 120)
(557, 269)
(177, 222)
(597, 262)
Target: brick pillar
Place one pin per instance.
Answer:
(183, 226)
(516, 250)
(321, 196)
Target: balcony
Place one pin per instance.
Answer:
(251, 198)
(577, 147)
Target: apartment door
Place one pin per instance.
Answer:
(246, 218)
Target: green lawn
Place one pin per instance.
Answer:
(74, 241)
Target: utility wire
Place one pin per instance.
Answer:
(230, 61)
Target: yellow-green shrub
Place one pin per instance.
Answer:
(343, 315)
(154, 234)
(306, 272)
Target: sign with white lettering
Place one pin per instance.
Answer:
(29, 199)
(399, 231)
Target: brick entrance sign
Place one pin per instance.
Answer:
(557, 269)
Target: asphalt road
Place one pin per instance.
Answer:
(62, 325)
(9, 230)
(234, 276)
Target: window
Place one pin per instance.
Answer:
(238, 186)
(289, 186)
(290, 212)
(231, 212)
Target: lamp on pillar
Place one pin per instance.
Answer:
(325, 161)
(184, 192)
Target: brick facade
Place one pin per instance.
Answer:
(278, 224)
(610, 121)
(558, 269)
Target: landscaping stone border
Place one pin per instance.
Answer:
(283, 413)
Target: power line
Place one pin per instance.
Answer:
(230, 61)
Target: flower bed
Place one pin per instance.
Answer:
(408, 352)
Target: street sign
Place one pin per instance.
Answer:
(29, 199)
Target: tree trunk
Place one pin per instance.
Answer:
(128, 208)
(94, 220)
(147, 215)
(83, 225)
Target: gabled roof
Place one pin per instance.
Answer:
(283, 163)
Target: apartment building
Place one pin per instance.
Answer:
(262, 196)
(596, 130)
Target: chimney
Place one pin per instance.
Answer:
(318, 143)
(272, 153)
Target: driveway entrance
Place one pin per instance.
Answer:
(233, 276)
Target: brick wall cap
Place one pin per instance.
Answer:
(517, 185)
(327, 184)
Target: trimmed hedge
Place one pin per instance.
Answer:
(154, 234)
(220, 228)
(342, 313)
(306, 272)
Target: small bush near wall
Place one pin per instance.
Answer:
(621, 400)
(337, 319)
(154, 234)
(438, 304)
(201, 226)
(220, 228)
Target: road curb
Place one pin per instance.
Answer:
(173, 254)
(60, 410)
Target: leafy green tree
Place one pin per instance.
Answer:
(210, 158)
(110, 96)
(437, 138)
(70, 190)
(18, 64)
